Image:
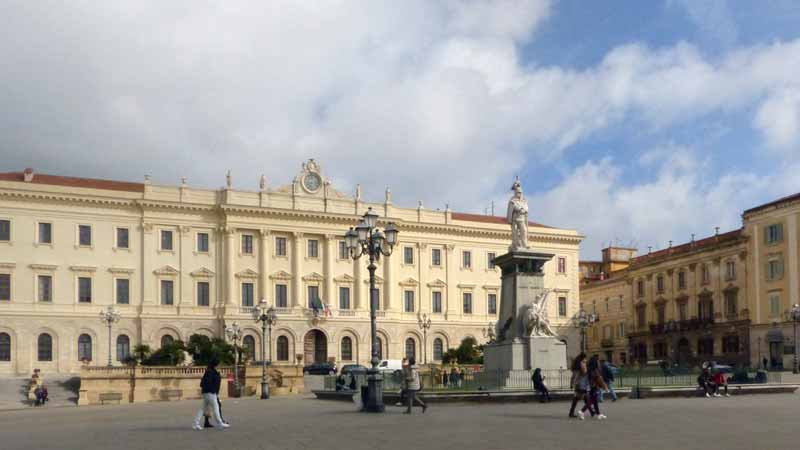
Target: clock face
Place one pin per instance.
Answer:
(312, 182)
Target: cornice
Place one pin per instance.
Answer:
(83, 268)
(120, 270)
(43, 266)
(59, 197)
(7, 265)
(146, 204)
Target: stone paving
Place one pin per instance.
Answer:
(746, 422)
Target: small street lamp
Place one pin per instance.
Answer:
(266, 315)
(109, 317)
(794, 316)
(582, 321)
(366, 239)
(234, 333)
(424, 323)
(488, 332)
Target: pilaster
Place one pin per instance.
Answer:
(263, 266)
(297, 274)
(230, 265)
(184, 293)
(358, 285)
(424, 300)
(148, 250)
(389, 289)
(451, 290)
(327, 269)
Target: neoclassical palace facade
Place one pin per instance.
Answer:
(175, 261)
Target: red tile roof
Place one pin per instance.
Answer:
(88, 183)
(488, 219)
(687, 247)
(788, 198)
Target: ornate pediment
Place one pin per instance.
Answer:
(345, 278)
(313, 276)
(281, 275)
(705, 293)
(247, 273)
(437, 283)
(311, 182)
(120, 270)
(409, 282)
(202, 272)
(166, 270)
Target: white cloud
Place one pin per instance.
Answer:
(779, 119)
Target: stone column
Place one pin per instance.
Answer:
(329, 251)
(148, 250)
(263, 267)
(297, 274)
(388, 282)
(230, 265)
(452, 291)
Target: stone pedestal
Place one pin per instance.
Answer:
(543, 352)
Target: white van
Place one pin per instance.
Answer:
(390, 365)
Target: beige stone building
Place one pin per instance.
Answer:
(176, 260)
(721, 298)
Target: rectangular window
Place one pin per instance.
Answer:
(166, 240)
(492, 303)
(281, 298)
(621, 303)
(731, 309)
(167, 292)
(490, 260)
(202, 242)
(661, 314)
(730, 270)
(660, 283)
(313, 297)
(681, 280)
(313, 248)
(562, 264)
(621, 330)
(408, 255)
(641, 317)
(84, 290)
(775, 307)
(562, 306)
(773, 233)
(436, 301)
(123, 238)
(45, 288)
(705, 275)
(466, 259)
(247, 294)
(5, 286)
(343, 250)
(85, 235)
(247, 244)
(775, 269)
(45, 233)
(467, 302)
(408, 296)
(683, 311)
(640, 288)
(123, 291)
(203, 291)
(280, 246)
(436, 257)
(344, 297)
(5, 230)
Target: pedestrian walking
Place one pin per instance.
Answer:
(209, 386)
(579, 383)
(539, 386)
(207, 415)
(453, 377)
(608, 379)
(596, 385)
(444, 377)
(413, 386)
(403, 384)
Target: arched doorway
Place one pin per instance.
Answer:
(315, 347)
(684, 352)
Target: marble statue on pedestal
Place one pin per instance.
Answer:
(518, 218)
(535, 317)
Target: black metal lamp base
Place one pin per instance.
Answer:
(374, 402)
(264, 391)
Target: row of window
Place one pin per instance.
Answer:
(705, 309)
(705, 347)
(705, 278)
(44, 347)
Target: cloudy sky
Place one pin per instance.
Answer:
(630, 121)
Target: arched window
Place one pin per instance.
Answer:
(45, 347)
(283, 348)
(347, 349)
(84, 347)
(166, 340)
(123, 347)
(411, 348)
(5, 347)
(380, 348)
(438, 349)
(249, 344)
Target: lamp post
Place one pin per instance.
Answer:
(109, 317)
(367, 239)
(266, 315)
(234, 333)
(794, 315)
(424, 323)
(582, 321)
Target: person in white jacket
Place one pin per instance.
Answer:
(413, 386)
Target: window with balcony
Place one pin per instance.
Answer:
(683, 311)
(247, 294)
(313, 297)
(641, 316)
(661, 316)
(705, 308)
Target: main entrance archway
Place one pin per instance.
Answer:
(315, 347)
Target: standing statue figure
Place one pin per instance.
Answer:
(228, 179)
(262, 183)
(518, 218)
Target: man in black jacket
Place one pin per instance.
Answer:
(209, 386)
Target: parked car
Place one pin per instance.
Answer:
(322, 368)
(390, 365)
(355, 369)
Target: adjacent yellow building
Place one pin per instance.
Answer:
(176, 260)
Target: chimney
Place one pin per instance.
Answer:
(28, 175)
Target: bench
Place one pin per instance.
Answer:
(171, 394)
(110, 397)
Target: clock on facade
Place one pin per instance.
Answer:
(312, 182)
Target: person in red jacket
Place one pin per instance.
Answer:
(719, 380)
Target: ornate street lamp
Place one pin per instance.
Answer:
(424, 323)
(582, 321)
(234, 333)
(109, 317)
(794, 316)
(266, 315)
(366, 239)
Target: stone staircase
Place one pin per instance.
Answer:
(62, 391)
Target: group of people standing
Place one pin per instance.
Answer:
(454, 378)
(589, 381)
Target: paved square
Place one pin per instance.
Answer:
(746, 422)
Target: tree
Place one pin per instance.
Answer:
(203, 349)
(168, 355)
(467, 353)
